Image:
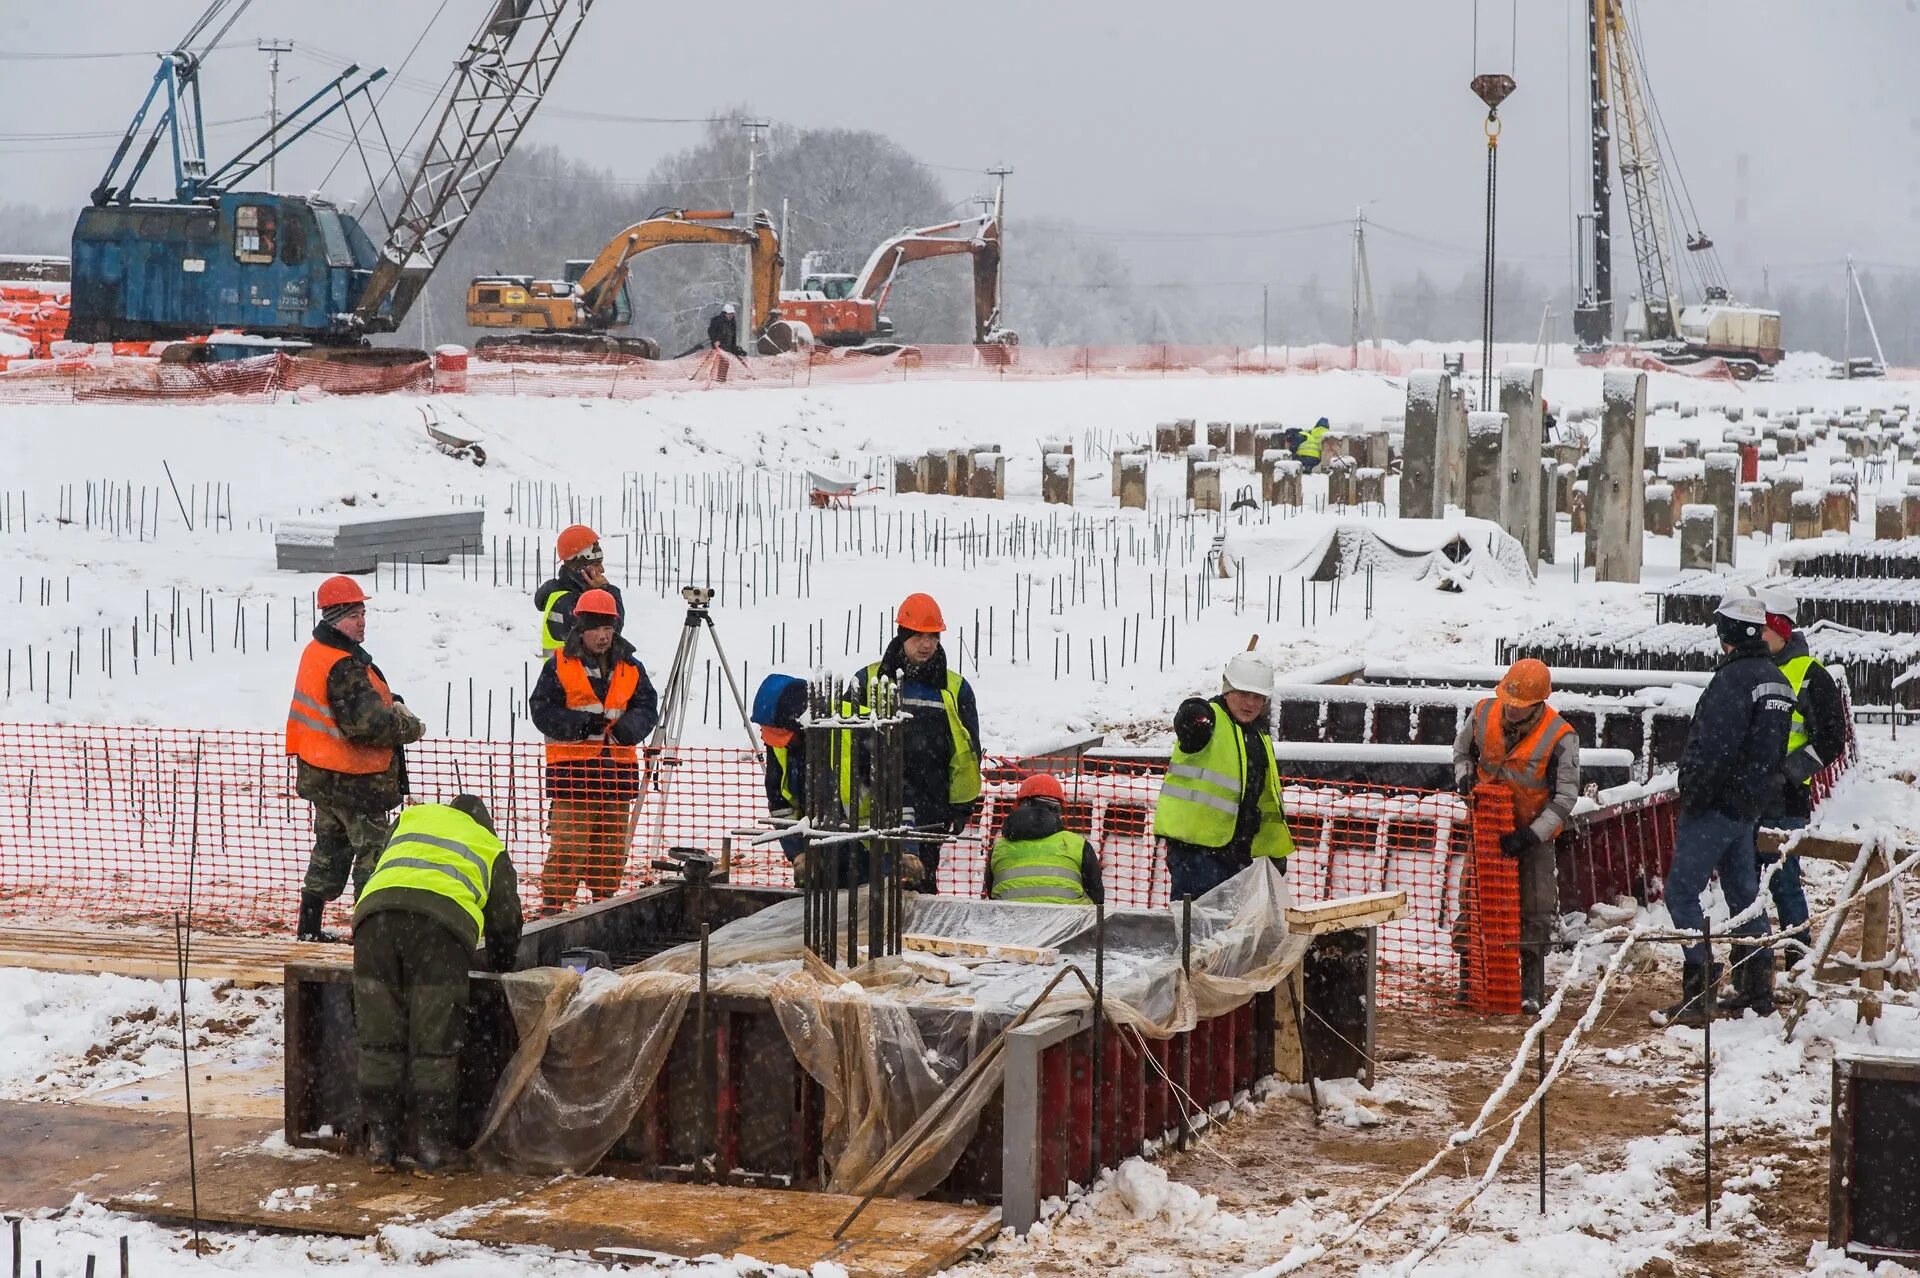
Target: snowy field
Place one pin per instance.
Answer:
(1073, 622)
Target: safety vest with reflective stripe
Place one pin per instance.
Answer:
(621, 685)
(1042, 871)
(786, 780)
(1315, 441)
(548, 640)
(1796, 673)
(439, 849)
(1521, 767)
(1200, 798)
(963, 768)
(312, 733)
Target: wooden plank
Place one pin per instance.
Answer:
(1769, 842)
(130, 952)
(980, 949)
(1369, 910)
(330, 1194)
(1873, 937)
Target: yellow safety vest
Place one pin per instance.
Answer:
(1200, 798)
(963, 769)
(548, 641)
(1315, 441)
(1796, 673)
(439, 849)
(1039, 871)
(786, 781)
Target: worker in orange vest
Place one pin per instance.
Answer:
(1516, 740)
(346, 728)
(595, 705)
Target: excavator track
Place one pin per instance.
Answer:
(535, 346)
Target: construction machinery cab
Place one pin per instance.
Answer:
(576, 270)
(276, 265)
(833, 287)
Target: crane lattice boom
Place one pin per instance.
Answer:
(1641, 179)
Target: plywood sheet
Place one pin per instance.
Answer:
(148, 953)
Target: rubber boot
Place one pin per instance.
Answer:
(1533, 981)
(434, 1150)
(1696, 986)
(382, 1110)
(1752, 981)
(312, 906)
(1463, 992)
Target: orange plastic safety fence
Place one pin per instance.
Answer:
(1495, 957)
(114, 823)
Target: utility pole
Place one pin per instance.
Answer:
(273, 48)
(743, 332)
(1362, 286)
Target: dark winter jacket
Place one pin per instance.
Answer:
(1737, 747)
(593, 778)
(793, 704)
(929, 739)
(1825, 714)
(1193, 729)
(1038, 819)
(723, 332)
(569, 584)
(364, 719)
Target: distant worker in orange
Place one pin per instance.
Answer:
(1514, 739)
(595, 705)
(581, 569)
(346, 728)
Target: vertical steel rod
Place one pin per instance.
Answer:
(1099, 1024)
(1706, 1089)
(711, 1095)
(1543, 1123)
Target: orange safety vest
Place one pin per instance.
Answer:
(621, 685)
(312, 733)
(1521, 767)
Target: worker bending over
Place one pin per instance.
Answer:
(346, 728)
(595, 705)
(1037, 859)
(1516, 741)
(442, 888)
(778, 708)
(1219, 805)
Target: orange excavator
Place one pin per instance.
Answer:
(845, 310)
(578, 313)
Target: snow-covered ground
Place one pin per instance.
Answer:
(1086, 620)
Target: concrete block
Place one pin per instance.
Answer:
(1723, 494)
(1283, 484)
(1485, 465)
(1889, 517)
(1520, 504)
(1370, 486)
(1651, 457)
(1185, 434)
(1206, 485)
(1453, 435)
(1803, 521)
(1756, 508)
(1836, 508)
(1577, 511)
(1220, 435)
(1267, 437)
(1333, 447)
(1196, 454)
(1056, 479)
(933, 472)
(988, 478)
(1697, 536)
(1659, 510)
(906, 474)
(1243, 439)
(1132, 470)
(1546, 503)
(1166, 438)
(960, 472)
(1910, 509)
(1422, 480)
(1785, 485)
(1564, 474)
(1617, 489)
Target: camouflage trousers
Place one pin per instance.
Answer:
(345, 841)
(409, 1003)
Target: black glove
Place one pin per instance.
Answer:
(1464, 787)
(1518, 842)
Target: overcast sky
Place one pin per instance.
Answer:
(1796, 122)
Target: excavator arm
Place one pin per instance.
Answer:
(600, 285)
(978, 237)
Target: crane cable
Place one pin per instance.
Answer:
(1492, 89)
(1710, 272)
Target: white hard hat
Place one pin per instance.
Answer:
(1249, 672)
(1780, 603)
(1743, 605)
(728, 309)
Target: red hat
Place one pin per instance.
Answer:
(1042, 785)
(596, 603)
(576, 541)
(335, 591)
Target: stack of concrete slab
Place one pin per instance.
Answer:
(357, 543)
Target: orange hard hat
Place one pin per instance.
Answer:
(574, 541)
(1527, 683)
(1042, 785)
(335, 591)
(597, 603)
(920, 614)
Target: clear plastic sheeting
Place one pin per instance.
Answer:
(885, 1042)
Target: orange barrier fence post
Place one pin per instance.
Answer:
(1494, 966)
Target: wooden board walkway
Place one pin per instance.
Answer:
(331, 1194)
(150, 953)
